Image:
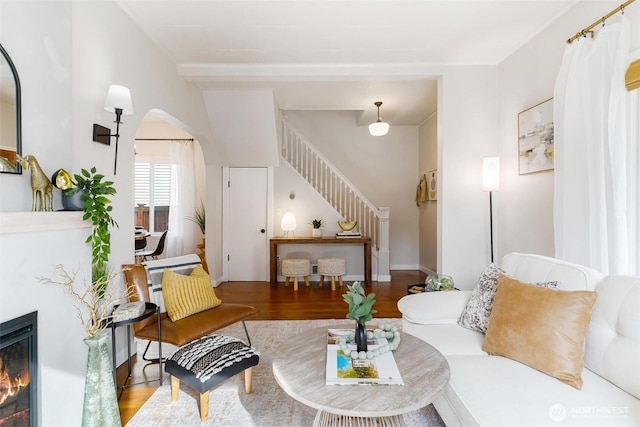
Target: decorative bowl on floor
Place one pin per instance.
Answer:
(439, 282)
(347, 225)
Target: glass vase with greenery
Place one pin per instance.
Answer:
(361, 310)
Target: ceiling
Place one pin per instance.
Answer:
(339, 55)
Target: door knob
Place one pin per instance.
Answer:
(262, 230)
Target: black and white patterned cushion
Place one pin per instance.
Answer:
(209, 360)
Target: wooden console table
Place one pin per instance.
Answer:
(275, 241)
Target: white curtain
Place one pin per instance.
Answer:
(181, 238)
(592, 170)
(633, 173)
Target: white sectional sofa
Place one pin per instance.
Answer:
(493, 391)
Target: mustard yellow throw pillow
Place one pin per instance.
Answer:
(542, 328)
(187, 295)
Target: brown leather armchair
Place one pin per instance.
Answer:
(184, 330)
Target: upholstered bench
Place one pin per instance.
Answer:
(295, 267)
(333, 267)
(207, 362)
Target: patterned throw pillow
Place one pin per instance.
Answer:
(475, 315)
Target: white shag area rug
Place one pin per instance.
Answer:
(268, 405)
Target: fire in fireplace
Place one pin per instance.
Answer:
(18, 371)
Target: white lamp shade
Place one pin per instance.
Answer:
(378, 128)
(288, 222)
(119, 97)
(490, 174)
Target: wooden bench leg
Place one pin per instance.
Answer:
(295, 283)
(321, 280)
(333, 283)
(204, 406)
(248, 380)
(306, 280)
(286, 281)
(340, 280)
(175, 388)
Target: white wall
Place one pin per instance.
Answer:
(429, 209)
(385, 169)
(243, 123)
(467, 120)
(37, 36)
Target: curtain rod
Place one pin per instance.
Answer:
(165, 139)
(587, 30)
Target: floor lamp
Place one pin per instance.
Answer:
(491, 183)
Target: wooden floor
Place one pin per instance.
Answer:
(275, 303)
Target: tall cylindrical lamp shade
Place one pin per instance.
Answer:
(490, 173)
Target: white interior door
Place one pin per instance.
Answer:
(247, 224)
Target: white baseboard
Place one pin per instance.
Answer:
(426, 270)
(404, 267)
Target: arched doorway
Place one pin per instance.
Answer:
(169, 185)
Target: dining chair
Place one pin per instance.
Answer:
(143, 255)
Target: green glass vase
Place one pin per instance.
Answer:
(100, 407)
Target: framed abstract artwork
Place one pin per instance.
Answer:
(535, 138)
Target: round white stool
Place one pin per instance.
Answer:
(334, 267)
(295, 268)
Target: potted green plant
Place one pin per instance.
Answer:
(361, 310)
(199, 217)
(316, 224)
(97, 208)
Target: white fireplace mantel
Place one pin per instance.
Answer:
(32, 244)
(29, 222)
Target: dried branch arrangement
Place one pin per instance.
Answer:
(98, 309)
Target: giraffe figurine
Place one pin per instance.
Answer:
(40, 183)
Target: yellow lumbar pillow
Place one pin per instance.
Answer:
(187, 295)
(542, 328)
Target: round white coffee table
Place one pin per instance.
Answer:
(299, 368)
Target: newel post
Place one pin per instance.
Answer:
(384, 274)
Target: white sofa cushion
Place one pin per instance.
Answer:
(613, 338)
(537, 268)
(447, 339)
(495, 391)
(433, 308)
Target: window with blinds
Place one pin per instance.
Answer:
(154, 191)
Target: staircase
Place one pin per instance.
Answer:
(339, 192)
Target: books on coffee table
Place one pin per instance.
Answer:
(344, 370)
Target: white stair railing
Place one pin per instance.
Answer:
(336, 189)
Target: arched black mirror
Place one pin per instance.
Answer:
(10, 115)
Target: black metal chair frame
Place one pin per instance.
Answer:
(142, 255)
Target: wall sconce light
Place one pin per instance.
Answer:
(288, 223)
(491, 183)
(378, 128)
(118, 101)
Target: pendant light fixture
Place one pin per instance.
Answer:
(378, 128)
